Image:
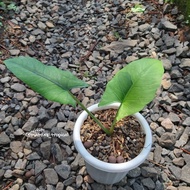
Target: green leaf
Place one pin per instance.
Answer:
(116, 89)
(134, 86)
(138, 8)
(2, 4)
(12, 6)
(49, 81)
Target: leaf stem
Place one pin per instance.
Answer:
(114, 122)
(107, 131)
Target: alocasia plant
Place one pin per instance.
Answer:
(133, 87)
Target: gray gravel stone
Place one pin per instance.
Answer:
(37, 32)
(144, 27)
(14, 52)
(63, 170)
(32, 38)
(170, 51)
(186, 122)
(51, 176)
(169, 41)
(157, 154)
(50, 187)
(159, 42)
(183, 138)
(78, 161)
(69, 188)
(62, 135)
(33, 156)
(136, 186)
(185, 173)
(184, 188)
(176, 171)
(174, 118)
(167, 125)
(2, 173)
(167, 140)
(29, 186)
(97, 186)
(175, 74)
(19, 132)
(89, 92)
(160, 131)
(50, 24)
(119, 46)
(149, 183)
(59, 186)
(69, 181)
(178, 152)
(32, 123)
(41, 25)
(179, 161)
(21, 164)
(39, 167)
(149, 172)
(18, 87)
(57, 152)
(79, 180)
(185, 63)
(171, 188)
(4, 139)
(176, 88)
(16, 146)
(168, 25)
(167, 64)
(8, 173)
(5, 79)
(43, 115)
(45, 149)
(33, 110)
(159, 185)
(134, 173)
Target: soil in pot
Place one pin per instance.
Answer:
(125, 143)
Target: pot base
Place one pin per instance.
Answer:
(103, 176)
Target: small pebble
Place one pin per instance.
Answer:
(88, 144)
(112, 159)
(120, 159)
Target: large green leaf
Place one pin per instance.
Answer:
(49, 81)
(134, 86)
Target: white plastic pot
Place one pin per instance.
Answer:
(109, 173)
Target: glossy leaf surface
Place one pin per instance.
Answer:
(52, 83)
(134, 86)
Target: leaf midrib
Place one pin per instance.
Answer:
(40, 74)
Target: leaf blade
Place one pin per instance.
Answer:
(49, 81)
(121, 83)
(145, 75)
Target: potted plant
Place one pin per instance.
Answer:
(128, 92)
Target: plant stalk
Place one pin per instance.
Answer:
(114, 122)
(107, 131)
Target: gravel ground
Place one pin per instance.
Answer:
(92, 39)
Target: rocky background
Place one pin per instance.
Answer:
(92, 39)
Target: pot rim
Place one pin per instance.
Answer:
(105, 166)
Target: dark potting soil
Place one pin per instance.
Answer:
(123, 145)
